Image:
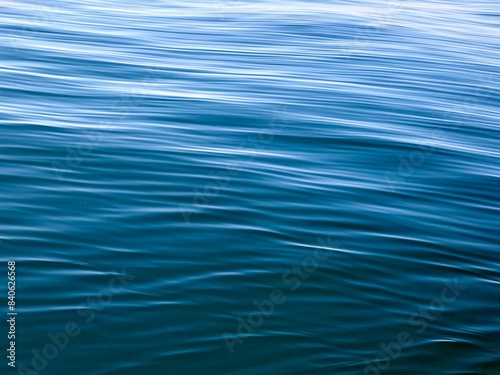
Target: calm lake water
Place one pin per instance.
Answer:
(265, 187)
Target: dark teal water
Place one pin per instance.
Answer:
(266, 187)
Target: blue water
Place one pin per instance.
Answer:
(265, 187)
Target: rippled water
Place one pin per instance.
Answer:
(169, 168)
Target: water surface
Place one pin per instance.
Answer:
(170, 167)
